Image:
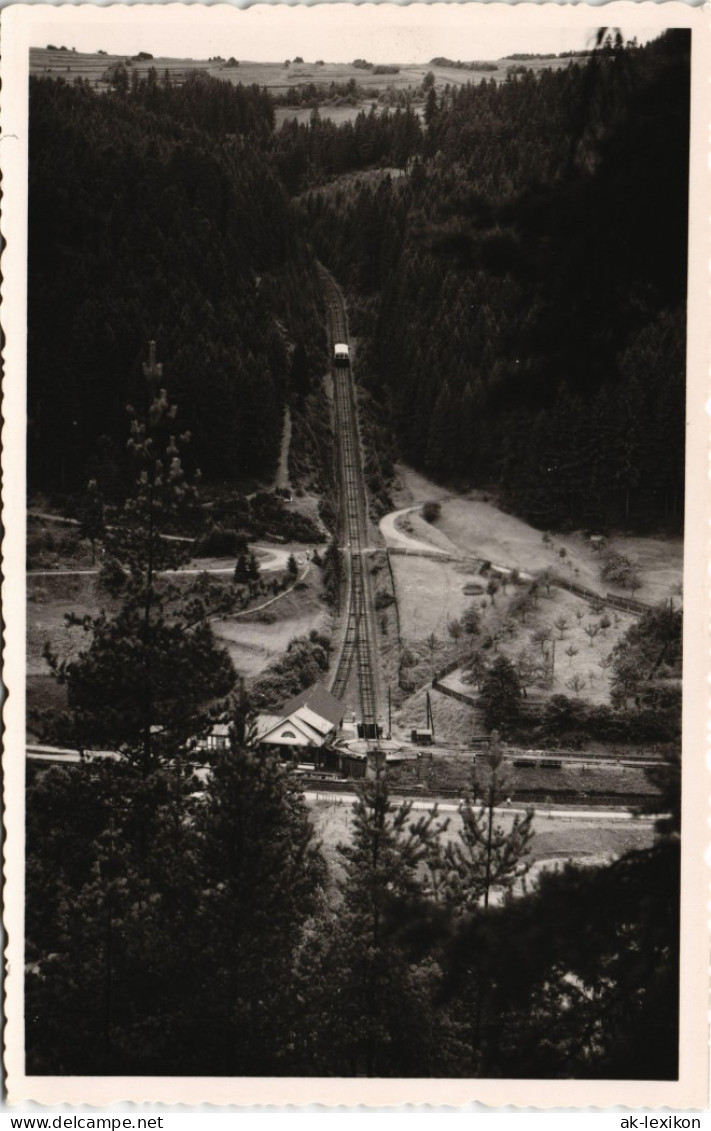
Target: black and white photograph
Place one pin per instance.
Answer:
(356, 643)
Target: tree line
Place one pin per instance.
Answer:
(188, 929)
(155, 214)
(520, 291)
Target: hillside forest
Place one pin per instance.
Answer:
(513, 254)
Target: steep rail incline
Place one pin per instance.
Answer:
(360, 640)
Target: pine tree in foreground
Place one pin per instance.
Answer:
(488, 853)
(142, 685)
(367, 1006)
(168, 954)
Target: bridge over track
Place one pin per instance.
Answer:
(360, 642)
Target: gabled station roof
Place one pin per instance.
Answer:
(291, 731)
(308, 719)
(319, 701)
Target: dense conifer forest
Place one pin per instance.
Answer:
(523, 287)
(515, 262)
(517, 270)
(156, 214)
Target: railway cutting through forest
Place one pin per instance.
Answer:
(360, 641)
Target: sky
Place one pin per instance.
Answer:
(335, 32)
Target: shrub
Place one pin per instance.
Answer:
(617, 569)
(39, 541)
(112, 578)
(221, 544)
(327, 513)
(471, 622)
(431, 511)
(320, 638)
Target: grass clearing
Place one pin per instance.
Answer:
(255, 641)
(456, 723)
(415, 526)
(339, 115)
(579, 660)
(430, 594)
(49, 600)
(475, 525)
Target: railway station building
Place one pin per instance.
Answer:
(304, 728)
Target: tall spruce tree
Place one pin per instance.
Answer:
(485, 856)
(169, 954)
(501, 694)
(368, 1010)
(150, 670)
(261, 879)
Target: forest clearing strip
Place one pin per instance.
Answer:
(360, 640)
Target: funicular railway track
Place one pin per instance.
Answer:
(360, 637)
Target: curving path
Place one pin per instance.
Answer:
(393, 536)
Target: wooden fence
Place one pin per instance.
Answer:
(624, 604)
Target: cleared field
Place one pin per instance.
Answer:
(253, 641)
(430, 594)
(302, 114)
(256, 641)
(576, 637)
(49, 599)
(253, 646)
(660, 562)
(477, 527)
(276, 76)
(456, 721)
(408, 526)
(579, 660)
